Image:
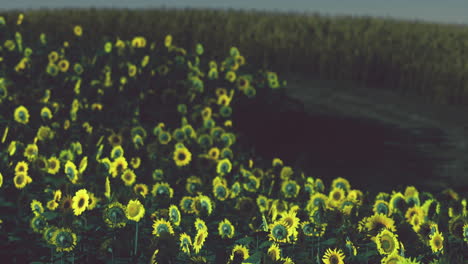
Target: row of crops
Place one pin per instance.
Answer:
(407, 56)
(122, 148)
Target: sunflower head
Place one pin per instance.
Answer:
(114, 215)
(290, 188)
(80, 201)
(185, 243)
(186, 204)
(387, 242)
(341, 183)
(38, 223)
(436, 242)
(202, 205)
(279, 232)
(239, 253)
(162, 189)
(135, 210)
(220, 192)
(174, 215)
(48, 234)
(274, 252)
(224, 166)
(226, 229)
(161, 226)
(128, 177)
(381, 207)
(182, 157)
(21, 115)
(334, 256)
(64, 239)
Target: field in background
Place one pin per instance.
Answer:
(427, 58)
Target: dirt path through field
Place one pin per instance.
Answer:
(440, 132)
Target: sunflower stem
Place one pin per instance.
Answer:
(136, 239)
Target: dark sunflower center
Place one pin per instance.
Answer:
(386, 245)
(81, 202)
(19, 179)
(181, 156)
(334, 260)
(66, 204)
(337, 196)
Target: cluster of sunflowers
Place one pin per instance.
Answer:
(130, 150)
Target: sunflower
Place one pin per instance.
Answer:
(200, 224)
(38, 223)
(64, 240)
(230, 76)
(66, 203)
(220, 192)
(63, 65)
(52, 205)
(185, 243)
(21, 167)
(46, 113)
(226, 229)
(431, 208)
(393, 258)
(274, 252)
(239, 253)
(128, 177)
(252, 184)
(223, 167)
(289, 219)
(262, 203)
(416, 210)
(135, 210)
(202, 205)
(162, 226)
(21, 115)
(242, 83)
(387, 242)
(199, 240)
(162, 189)
(318, 200)
(381, 207)
(341, 183)
(336, 197)
(118, 166)
(214, 153)
(182, 157)
(115, 139)
(397, 202)
(36, 207)
(465, 233)
(436, 242)
(116, 152)
(174, 215)
(186, 204)
(235, 189)
(279, 232)
(141, 189)
(78, 30)
(80, 201)
(335, 256)
(48, 233)
(135, 162)
(21, 180)
(114, 215)
(378, 221)
(31, 151)
(71, 171)
(290, 188)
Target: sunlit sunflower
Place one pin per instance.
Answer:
(63, 65)
(78, 30)
(416, 210)
(200, 224)
(279, 232)
(52, 205)
(336, 197)
(393, 258)
(174, 215)
(226, 229)
(335, 256)
(290, 188)
(162, 189)
(318, 200)
(118, 166)
(21, 115)
(135, 210)
(38, 223)
(21, 180)
(381, 207)
(141, 189)
(202, 205)
(135, 162)
(21, 167)
(397, 202)
(115, 139)
(199, 240)
(31, 151)
(114, 215)
(182, 157)
(387, 242)
(64, 240)
(128, 177)
(162, 226)
(220, 192)
(341, 183)
(239, 253)
(71, 172)
(186, 204)
(223, 167)
(289, 219)
(185, 243)
(436, 242)
(36, 207)
(80, 201)
(274, 252)
(378, 221)
(214, 153)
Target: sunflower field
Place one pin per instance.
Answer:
(124, 151)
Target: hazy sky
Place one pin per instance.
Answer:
(447, 11)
